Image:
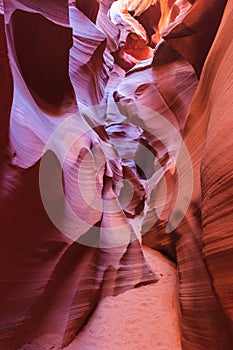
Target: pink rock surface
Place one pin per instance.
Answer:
(200, 244)
(146, 317)
(6, 85)
(53, 283)
(206, 125)
(73, 206)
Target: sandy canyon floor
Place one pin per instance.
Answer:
(143, 318)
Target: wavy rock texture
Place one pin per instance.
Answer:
(216, 184)
(185, 35)
(157, 99)
(52, 283)
(111, 32)
(89, 73)
(6, 86)
(201, 243)
(146, 18)
(197, 246)
(64, 60)
(207, 123)
(136, 328)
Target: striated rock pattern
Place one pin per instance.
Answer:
(6, 87)
(201, 242)
(186, 34)
(114, 110)
(208, 138)
(136, 328)
(148, 18)
(172, 86)
(216, 183)
(54, 269)
(86, 57)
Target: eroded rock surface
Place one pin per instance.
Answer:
(139, 96)
(52, 282)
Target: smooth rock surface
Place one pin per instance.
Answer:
(146, 317)
(150, 143)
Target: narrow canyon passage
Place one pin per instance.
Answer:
(143, 318)
(116, 175)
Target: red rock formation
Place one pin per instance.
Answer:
(50, 283)
(216, 167)
(6, 87)
(154, 98)
(54, 267)
(89, 9)
(208, 137)
(147, 18)
(202, 242)
(191, 36)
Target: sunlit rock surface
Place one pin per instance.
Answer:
(208, 123)
(52, 283)
(138, 94)
(193, 34)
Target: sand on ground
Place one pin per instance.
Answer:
(143, 318)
